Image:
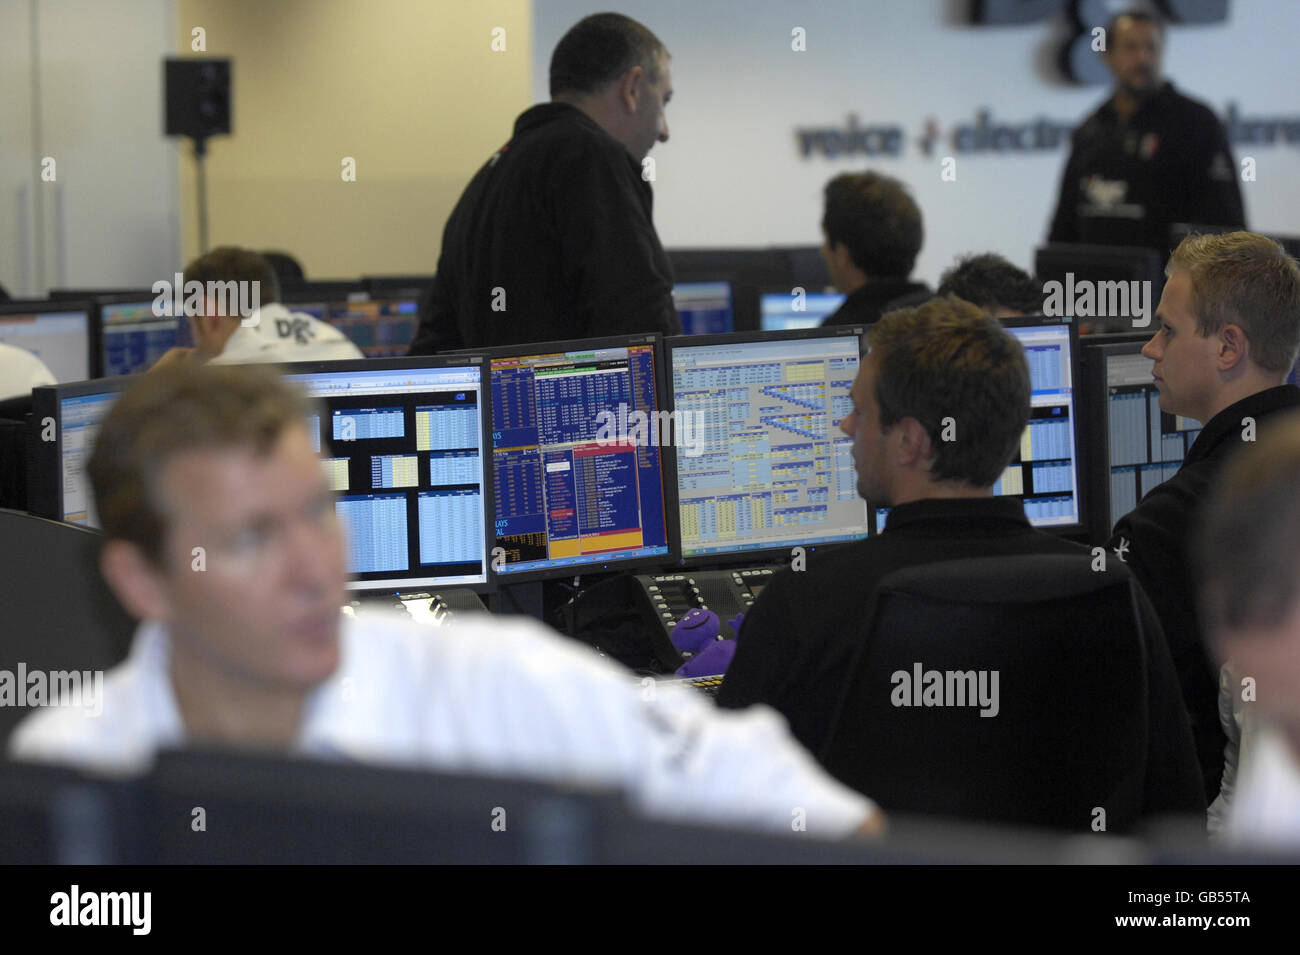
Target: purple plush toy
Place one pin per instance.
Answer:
(697, 634)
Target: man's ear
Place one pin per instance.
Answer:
(631, 87)
(138, 583)
(913, 443)
(1233, 347)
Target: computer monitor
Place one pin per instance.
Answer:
(785, 310)
(381, 326)
(134, 337)
(581, 482)
(61, 334)
(704, 307)
(749, 270)
(1071, 264)
(767, 468)
(1133, 446)
(1045, 472)
(320, 289)
(403, 440)
(65, 420)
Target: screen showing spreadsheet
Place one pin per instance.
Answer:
(704, 307)
(134, 337)
(402, 442)
(60, 337)
(1145, 446)
(783, 311)
(772, 469)
(577, 457)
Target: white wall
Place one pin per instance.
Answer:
(731, 173)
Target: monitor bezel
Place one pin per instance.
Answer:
(94, 360)
(667, 457)
(121, 298)
(771, 554)
(415, 584)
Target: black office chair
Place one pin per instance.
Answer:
(56, 612)
(1070, 730)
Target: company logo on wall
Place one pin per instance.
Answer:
(987, 134)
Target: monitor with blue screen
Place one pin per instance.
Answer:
(786, 311)
(704, 307)
(768, 468)
(402, 441)
(133, 336)
(577, 463)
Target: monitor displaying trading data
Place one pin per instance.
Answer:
(59, 335)
(381, 326)
(767, 467)
(402, 442)
(577, 459)
(704, 307)
(1144, 446)
(58, 486)
(784, 311)
(1044, 473)
(134, 337)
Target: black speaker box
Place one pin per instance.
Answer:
(198, 96)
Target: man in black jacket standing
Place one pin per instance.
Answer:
(1149, 157)
(1230, 330)
(553, 237)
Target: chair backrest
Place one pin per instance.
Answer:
(56, 612)
(1052, 651)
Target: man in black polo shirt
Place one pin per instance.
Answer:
(873, 234)
(1230, 330)
(553, 237)
(945, 359)
(1148, 157)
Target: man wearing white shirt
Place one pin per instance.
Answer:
(20, 372)
(1250, 572)
(247, 646)
(269, 333)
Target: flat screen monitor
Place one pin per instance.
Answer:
(783, 311)
(580, 476)
(1134, 445)
(704, 307)
(1045, 472)
(767, 467)
(1097, 284)
(57, 485)
(381, 326)
(134, 337)
(402, 441)
(61, 334)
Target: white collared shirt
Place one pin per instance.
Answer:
(494, 696)
(275, 334)
(1265, 812)
(20, 372)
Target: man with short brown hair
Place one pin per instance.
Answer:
(1230, 330)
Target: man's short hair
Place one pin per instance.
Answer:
(178, 408)
(991, 282)
(1245, 551)
(229, 263)
(599, 49)
(1137, 16)
(875, 218)
(949, 359)
(1248, 280)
